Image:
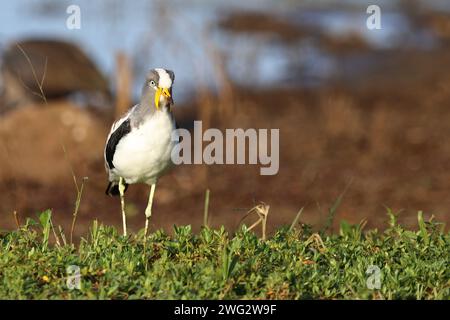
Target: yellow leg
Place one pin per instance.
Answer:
(148, 210)
(122, 204)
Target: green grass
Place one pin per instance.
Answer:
(293, 263)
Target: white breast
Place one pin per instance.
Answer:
(144, 154)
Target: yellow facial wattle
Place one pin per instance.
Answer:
(164, 91)
(157, 95)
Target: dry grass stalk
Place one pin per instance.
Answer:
(262, 210)
(317, 240)
(123, 84)
(40, 84)
(16, 219)
(225, 103)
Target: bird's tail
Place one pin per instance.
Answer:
(113, 188)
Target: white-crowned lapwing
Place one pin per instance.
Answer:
(139, 145)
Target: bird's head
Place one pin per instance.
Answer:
(157, 90)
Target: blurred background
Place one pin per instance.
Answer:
(366, 111)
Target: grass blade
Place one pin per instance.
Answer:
(206, 208)
(294, 223)
(332, 211)
(44, 219)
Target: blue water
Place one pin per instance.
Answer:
(175, 34)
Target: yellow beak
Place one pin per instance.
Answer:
(165, 92)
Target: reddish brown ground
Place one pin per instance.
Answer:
(385, 134)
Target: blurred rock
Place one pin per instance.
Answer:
(439, 24)
(32, 142)
(59, 68)
(261, 23)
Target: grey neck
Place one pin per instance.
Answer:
(146, 107)
(141, 112)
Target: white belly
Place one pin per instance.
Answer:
(144, 154)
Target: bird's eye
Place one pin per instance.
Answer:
(152, 83)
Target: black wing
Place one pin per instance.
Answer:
(114, 139)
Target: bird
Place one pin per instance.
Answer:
(139, 146)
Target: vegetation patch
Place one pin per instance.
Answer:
(293, 263)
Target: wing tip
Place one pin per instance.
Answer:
(113, 189)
